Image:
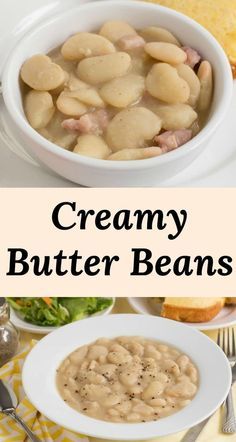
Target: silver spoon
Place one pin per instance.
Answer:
(8, 404)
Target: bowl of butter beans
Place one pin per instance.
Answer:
(113, 377)
(121, 94)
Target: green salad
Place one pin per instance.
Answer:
(57, 311)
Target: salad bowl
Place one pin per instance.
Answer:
(37, 317)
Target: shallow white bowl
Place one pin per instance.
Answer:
(40, 369)
(100, 173)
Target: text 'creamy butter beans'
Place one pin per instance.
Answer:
(118, 93)
(127, 379)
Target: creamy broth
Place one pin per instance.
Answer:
(127, 379)
(118, 93)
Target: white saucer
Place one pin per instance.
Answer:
(215, 167)
(226, 317)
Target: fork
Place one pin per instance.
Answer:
(227, 342)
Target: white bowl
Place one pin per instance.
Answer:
(18, 321)
(40, 370)
(101, 173)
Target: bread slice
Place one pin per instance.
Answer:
(192, 309)
(230, 300)
(218, 16)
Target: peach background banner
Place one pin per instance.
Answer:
(26, 223)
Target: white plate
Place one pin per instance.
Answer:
(215, 167)
(19, 323)
(226, 317)
(40, 387)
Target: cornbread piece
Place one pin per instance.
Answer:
(218, 16)
(192, 309)
(230, 300)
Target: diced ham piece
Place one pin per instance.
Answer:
(193, 56)
(129, 42)
(71, 125)
(90, 123)
(170, 140)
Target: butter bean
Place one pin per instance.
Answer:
(157, 402)
(71, 370)
(95, 378)
(86, 44)
(84, 92)
(92, 146)
(162, 348)
(206, 81)
(116, 357)
(152, 352)
(41, 74)
(175, 116)
(103, 341)
(164, 83)
(161, 377)
(154, 389)
(111, 400)
(185, 403)
(133, 417)
(132, 128)
(61, 87)
(74, 83)
(78, 356)
(122, 91)
(97, 70)
(171, 367)
(66, 65)
(90, 97)
(182, 390)
(166, 52)
(68, 104)
(129, 377)
(114, 30)
(135, 389)
(188, 74)
(143, 409)
(124, 407)
(39, 108)
(183, 362)
(107, 369)
(96, 351)
(192, 372)
(135, 348)
(118, 347)
(93, 365)
(135, 154)
(154, 33)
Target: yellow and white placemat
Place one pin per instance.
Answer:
(40, 425)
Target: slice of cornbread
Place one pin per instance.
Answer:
(192, 309)
(218, 16)
(230, 300)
